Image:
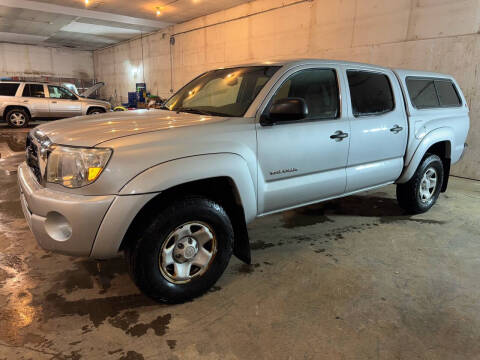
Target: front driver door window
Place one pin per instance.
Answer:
(298, 161)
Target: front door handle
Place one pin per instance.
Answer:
(25, 101)
(54, 102)
(339, 135)
(396, 129)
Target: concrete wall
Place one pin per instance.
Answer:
(436, 35)
(36, 61)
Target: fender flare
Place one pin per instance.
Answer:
(175, 172)
(433, 137)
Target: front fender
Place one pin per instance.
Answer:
(148, 184)
(433, 137)
(180, 171)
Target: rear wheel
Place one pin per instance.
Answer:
(183, 252)
(17, 118)
(421, 192)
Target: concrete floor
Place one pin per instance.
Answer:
(348, 279)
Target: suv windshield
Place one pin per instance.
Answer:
(225, 92)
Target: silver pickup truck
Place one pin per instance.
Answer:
(174, 189)
(22, 101)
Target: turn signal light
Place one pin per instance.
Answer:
(93, 173)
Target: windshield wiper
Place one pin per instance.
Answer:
(199, 111)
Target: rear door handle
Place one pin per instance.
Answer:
(339, 135)
(396, 129)
(25, 101)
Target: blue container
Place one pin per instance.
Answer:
(132, 99)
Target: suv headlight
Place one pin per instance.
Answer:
(74, 167)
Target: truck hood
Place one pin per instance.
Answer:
(94, 129)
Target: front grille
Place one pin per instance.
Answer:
(32, 158)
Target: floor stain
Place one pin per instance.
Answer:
(392, 219)
(86, 272)
(171, 344)
(260, 245)
(111, 352)
(4, 275)
(159, 326)
(302, 238)
(124, 321)
(11, 208)
(305, 216)
(98, 310)
(12, 143)
(132, 355)
(387, 209)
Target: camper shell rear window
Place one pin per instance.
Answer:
(431, 93)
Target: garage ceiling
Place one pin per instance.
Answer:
(73, 24)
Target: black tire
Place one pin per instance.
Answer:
(17, 118)
(95, 110)
(409, 194)
(143, 256)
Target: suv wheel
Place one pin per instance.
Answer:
(183, 252)
(421, 192)
(95, 111)
(17, 118)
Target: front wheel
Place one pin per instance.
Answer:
(421, 192)
(17, 118)
(95, 111)
(183, 252)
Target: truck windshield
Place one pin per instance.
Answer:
(225, 92)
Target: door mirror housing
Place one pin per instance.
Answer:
(287, 109)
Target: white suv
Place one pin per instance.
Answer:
(22, 101)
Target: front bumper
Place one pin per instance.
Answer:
(61, 222)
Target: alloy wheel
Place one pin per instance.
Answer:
(428, 184)
(17, 119)
(188, 252)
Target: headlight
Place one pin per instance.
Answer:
(75, 167)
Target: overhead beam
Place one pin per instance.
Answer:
(91, 14)
(21, 38)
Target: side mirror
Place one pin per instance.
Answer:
(288, 109)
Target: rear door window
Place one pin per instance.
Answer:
(447, 94)
(8, 89)
(371, 93)
(33, 90)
